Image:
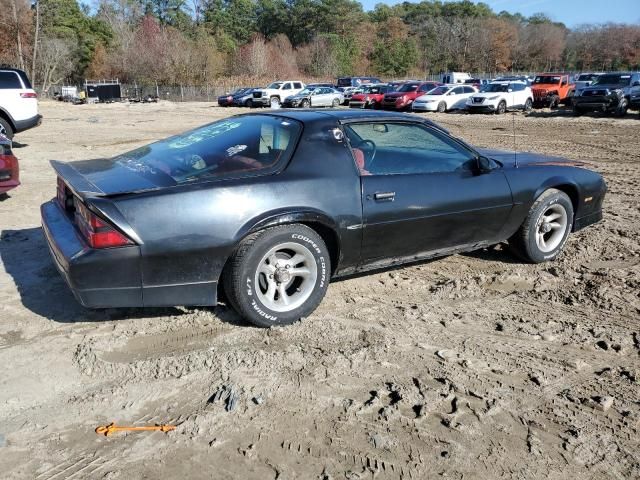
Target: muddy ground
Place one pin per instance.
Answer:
(471, 366)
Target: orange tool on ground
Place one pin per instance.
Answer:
(107, 430)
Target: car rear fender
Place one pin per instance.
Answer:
(324, 225)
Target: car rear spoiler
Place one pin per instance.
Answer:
(77, 182)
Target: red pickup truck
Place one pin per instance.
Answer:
(402, 98)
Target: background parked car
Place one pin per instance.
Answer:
(9, 170)
(276, 92)
(444, 98)
(611, 93)
(246, 99)
(355, 81)
(499, 97)
(18, 103)
(315, 97)
(404, 96)
(370, 97)
(347, 93)
(477, 82)
(585, 80)
(551, 89)
(515, 78)
(454, 77)
(231, 99)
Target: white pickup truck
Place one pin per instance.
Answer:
(275, 93)
(18, 103)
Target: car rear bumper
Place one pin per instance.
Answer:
(9, 174)
(22, 125)
(97, 278)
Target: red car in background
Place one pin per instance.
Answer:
(370, 97)
(402, 98)
(9, 173)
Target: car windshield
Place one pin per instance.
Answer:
(239, 91)
(372, 89)
(307, 91)
(613, 79)
(439, 91)
(586, 77)
(496, 87)
(548, 79)
(471, 80)
(275, 85)
(230, 147)
(408, 87)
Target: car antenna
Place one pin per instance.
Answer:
(515, 148)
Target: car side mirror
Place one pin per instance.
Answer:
(485, 165)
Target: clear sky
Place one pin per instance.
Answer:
(569, 12)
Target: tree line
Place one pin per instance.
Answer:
(202, 42)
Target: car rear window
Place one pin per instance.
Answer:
(10, 80)
(236, 146)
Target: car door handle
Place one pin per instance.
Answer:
(384, 196)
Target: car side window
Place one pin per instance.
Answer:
(407, 148)
(10, 80)
(287, 86)
(468, 90)
(424, 88)
(458, 90)
(297, 85)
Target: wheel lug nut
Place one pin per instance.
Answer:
(288, 266)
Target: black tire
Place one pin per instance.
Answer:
(442, 107)
(554, 102)
(305, 103)
(524, 243)
(240, 277)
(335, 103)
(528, 105)
(577, 111)
(274, 101)
(623, 106)
(249, 103)
(502, 107)
(6, 129)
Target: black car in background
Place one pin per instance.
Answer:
(610, 93)
(237, 98)
(265, 209)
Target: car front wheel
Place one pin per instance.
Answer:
(502, 107)
(546, 228)
(528, 105)
(274, 102)
(278, 275)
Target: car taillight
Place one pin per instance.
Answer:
(29, 95)
(98, 232)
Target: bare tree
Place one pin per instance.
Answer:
(56, 61)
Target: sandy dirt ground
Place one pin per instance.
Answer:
(471, 366)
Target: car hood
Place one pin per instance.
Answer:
(429, 97)
(398, 94)
(108, 176)
(507, 158)
(545, 86)
(607, 86)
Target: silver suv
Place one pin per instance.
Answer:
(18, 103)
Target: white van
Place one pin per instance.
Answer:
(455, 77)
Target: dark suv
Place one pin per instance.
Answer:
(610, 93)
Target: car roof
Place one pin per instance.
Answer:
(341, 115)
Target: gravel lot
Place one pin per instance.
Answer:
(471, 366)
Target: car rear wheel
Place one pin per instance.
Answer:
(546, 229)
(335, 103)
(248, 103)
(502, 107)
(278, 275)
(6, 129)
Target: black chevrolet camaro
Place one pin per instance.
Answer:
(265, 209)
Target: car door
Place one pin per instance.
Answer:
(10, 99)
(325, 97)
(422, 191)
(457, 98)
(634, 91)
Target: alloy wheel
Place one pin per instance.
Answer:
(286, 277)
(551, 227)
